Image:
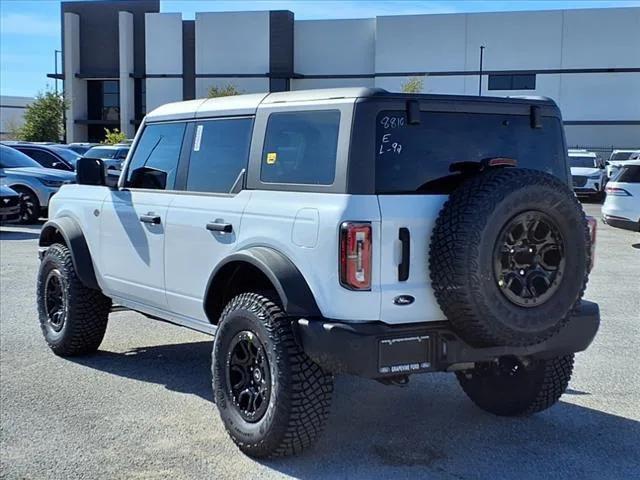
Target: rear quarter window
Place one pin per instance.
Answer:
(301, 147)
(412, 158)
(629, 174)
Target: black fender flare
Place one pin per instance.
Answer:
(295, 295)
(70, 231)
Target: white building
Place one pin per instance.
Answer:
(588, 61)
(12, 114)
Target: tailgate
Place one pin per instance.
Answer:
(417, 214)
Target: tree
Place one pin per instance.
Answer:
(227, 90)
(111, 137)
(43, 119)
(413, 85)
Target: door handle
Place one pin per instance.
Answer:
(403, 268)
(150, 218)
(219, 227)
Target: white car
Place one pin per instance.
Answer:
(334, 231)
(618, 158)
(621, 208)
(587, 173)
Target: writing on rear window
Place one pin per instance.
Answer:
(419, 157)
(387, 145)
(392, 121)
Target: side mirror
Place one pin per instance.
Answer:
(146, 177)
(90, 171)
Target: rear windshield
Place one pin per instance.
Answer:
(618, 156)
(101, 152)
(589, 162)
(629, 174)
(412, 158)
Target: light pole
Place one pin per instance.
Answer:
(480, 79)
(55, 57)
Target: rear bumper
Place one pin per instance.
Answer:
(378, 350)
(621, 222)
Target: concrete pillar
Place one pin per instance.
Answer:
(75, 89)
(127, 83)
(163, 58)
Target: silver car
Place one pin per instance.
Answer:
(113, 156)
(35, 183)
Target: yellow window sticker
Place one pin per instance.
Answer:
(271, 158)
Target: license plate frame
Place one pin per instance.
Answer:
(404, 355)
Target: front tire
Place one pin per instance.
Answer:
(272, 399)
(509, 388)
(73, 318)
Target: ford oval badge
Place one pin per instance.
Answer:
(403, 300)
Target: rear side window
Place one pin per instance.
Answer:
(45, 159)
(629, 174)
(122, 154)
(158, 149)
(301, 147)
(219, 153)
(412, 158)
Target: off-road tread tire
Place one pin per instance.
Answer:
(548, 380)
(460, 222)
(307, 401)
(88, 309)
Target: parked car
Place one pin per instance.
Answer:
(587, 173)
(112, 156)
(621, 208)
(618, 158)
(335, 231)
(35, 183)
(50, 156)
(79, 147)
(9, 204)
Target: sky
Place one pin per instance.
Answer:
(30, 29)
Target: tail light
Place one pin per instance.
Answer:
(592, 224)
(355, 255)
(617, 192)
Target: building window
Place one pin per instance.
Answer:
(512, 81)
(111, 100)
(141, 98)
(103, 100)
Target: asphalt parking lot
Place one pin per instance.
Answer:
(141, 407)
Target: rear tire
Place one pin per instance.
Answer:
(73, 318)
(507, 388)
(272, 399)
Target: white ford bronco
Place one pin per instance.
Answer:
(334, 231)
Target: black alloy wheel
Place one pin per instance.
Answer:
(29, 205)
(55, 303)
(529, 259)
(248, 378)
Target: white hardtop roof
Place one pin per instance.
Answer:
(248, 104)
(628, 150)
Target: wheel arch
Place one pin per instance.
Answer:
(259, 268)
(66, 230)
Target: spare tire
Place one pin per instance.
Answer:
(509, 257)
